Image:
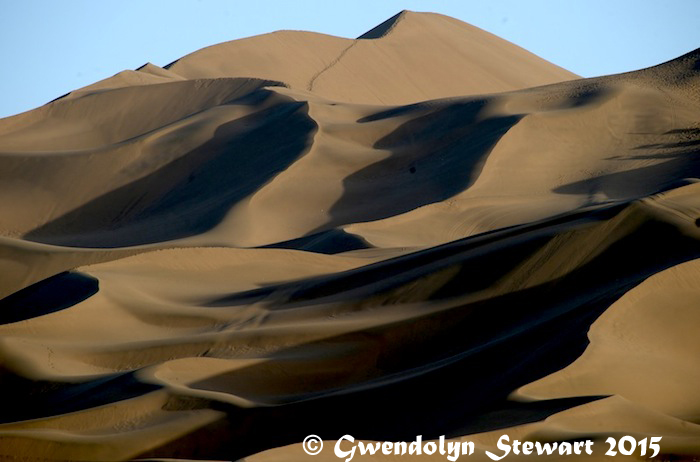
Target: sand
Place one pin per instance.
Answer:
(423, 231)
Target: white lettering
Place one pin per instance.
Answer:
(502, 447)
(453, 448)
(416, 446)
(565, 447)
(387, 447)
(369, 449)
(546, 447)
(339, 453)
(468, 447)
(589, 450)
(402, 445)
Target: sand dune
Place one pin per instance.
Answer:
(426, 230)
(431, 55)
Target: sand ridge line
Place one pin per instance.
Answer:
(310, 86)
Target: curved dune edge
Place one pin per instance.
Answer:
(206, 261)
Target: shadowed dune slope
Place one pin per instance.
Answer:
(423, 231)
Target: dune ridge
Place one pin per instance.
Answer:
(425, 230)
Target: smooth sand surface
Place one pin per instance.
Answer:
(423, 231)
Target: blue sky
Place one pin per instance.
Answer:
(50, 47)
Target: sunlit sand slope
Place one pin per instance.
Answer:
(423, 231)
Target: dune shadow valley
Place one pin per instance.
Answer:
(425, 231)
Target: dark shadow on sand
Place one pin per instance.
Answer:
(329, 242)
(450, 372)
(680, 159)
(191, 194)
(435, 155)
(520, 239)
(480, 350)
(25, 399)
(48, 296)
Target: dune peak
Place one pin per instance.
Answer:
(385, 27)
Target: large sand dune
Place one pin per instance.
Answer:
(426, 230)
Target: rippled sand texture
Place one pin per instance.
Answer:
(427, 230)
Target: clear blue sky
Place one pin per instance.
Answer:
(50, 47)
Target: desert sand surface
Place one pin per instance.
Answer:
(423, 231)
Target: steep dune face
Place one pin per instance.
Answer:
(206, 261)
